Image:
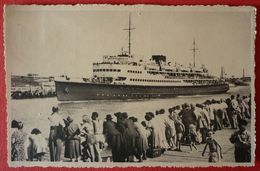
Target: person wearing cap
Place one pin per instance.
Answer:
(113, 137)
(14, 126)
(18, 143)
(72, 140)
(241, 140)
(56, 135)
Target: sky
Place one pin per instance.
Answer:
(55, 40)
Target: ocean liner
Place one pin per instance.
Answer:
(122, 77)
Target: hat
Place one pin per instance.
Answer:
(213, 101)
(131, 118)
(95, 114)
(36, 131)
(117, 114)
(55, 109)
(124, 115)
(69, 119)
(134, 119)
(162, 111)
(185, 105)
(109, 117)
(148, 117)
(150, 114)
(14, 124)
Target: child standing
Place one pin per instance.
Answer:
(192, 137)
(215, 150)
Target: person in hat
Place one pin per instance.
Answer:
(131, 138)
(56, 135)
(113, 137)
(14, 126)
(72, 141)
(18, 143)
(121, 127)
(241, 140)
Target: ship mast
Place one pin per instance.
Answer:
(243, 74)
(129, 35)
(194, 49)
(222, 73)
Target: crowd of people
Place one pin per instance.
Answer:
(131, 139)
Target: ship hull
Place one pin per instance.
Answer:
(77, 91)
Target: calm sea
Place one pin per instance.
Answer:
(34, 113)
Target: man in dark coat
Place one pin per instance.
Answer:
(113, 138)
(188, 117)
(131, 137)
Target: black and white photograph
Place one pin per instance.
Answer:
(130, 85)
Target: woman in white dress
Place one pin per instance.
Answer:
(38, 145)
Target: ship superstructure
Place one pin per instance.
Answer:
(123, 77)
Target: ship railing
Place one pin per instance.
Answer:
(97, 80)
(98, 63)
